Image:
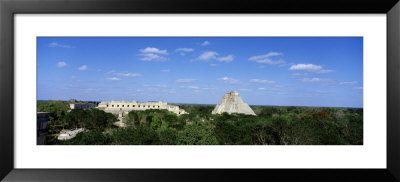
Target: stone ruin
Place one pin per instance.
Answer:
(122, 108)
(232, 103)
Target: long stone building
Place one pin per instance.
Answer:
(123, 107)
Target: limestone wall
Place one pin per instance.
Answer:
(123, 107)
(133, 104)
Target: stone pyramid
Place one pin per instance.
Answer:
(232, 103)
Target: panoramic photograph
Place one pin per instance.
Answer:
(199, 91)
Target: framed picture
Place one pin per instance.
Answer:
(152, 91)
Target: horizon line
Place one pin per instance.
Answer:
(217, 103)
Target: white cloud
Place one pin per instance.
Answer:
(212, 55)
(151, 56)
(207, 56)
(113, 79)
(261, 81)
(229, 80)
(309, 68)
(313, 80)
(191, 87)
(61, 64)
(196, 88)
(348, 83)
(262, 89)
(128, 74)
(227, 59)
(184, 50)
(213, 65)
(152, 53)
(165, 70)
(153, 50)
(266, 58)
(357, 88)
(83, 67)
(205, 43)
(185, 80)
(55, 44)
(270, 54)
(269, 61)
(306, 67)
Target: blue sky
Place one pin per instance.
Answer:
(287, 71)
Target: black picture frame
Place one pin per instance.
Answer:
(8, 8)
